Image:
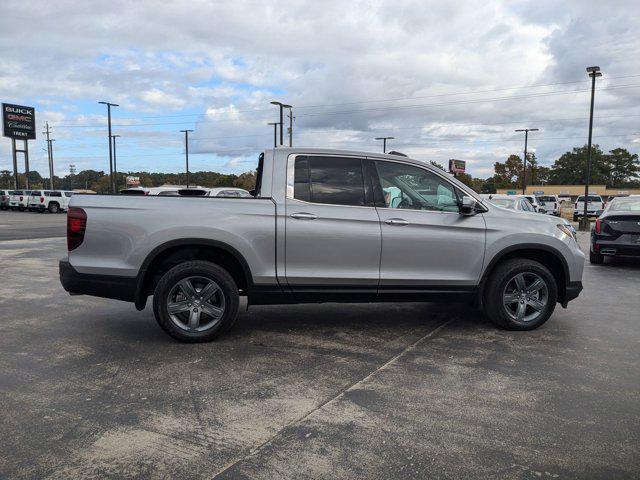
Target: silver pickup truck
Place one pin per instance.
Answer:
(321, 226)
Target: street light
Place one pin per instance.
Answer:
(186, 151)
(524, 161)
(384, 142)
(282, 107)
(115, 162)
(275, 133)
(593, 72)
(109, 105)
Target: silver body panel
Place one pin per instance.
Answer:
(343, 245)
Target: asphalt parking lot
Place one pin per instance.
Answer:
(91, 388)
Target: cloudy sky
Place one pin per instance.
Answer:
(447, 79)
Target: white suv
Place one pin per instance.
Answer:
(595, 205)
(52, 200)
(550, 203)
(18, 199)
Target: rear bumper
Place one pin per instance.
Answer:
(621, 246)
(105, 286)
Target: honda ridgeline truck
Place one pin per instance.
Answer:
(321, 226)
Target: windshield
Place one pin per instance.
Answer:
(504, 202)
(35, 193)
(592, 198)
(626, 204)
(546, 198)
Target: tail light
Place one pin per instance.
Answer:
(41, 199)
(76, 225)
(576, 204)
(555, 206)
(598, 225)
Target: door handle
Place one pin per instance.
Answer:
(303, 216)
(398, 222)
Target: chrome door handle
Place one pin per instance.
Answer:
(303, 216)
(398, 222)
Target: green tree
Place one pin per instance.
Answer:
(623, 167)
(509, 173)
(570, 168)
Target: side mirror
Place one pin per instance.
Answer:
(468, 206)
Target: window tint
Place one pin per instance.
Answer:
(527, 206)
(408, 187)
(68, 194)
(301, 187)
(331, 180)
(55, 194)
(592, 198)
(546, 198)
(35, 193)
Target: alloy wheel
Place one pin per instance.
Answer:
(195, 304)
(525, 297)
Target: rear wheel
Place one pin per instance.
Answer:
(196, 301)
(54, 207)
(596, 258)
(521, 294)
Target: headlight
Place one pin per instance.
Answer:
(567, 229)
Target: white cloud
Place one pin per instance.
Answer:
(229, 59)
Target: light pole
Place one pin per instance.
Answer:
(186, 151)
(109, 105)
(524, 161)
(282, 107)
(384, 142)
(585, 225)
(115, 161)
(275, 133)
(291, 119)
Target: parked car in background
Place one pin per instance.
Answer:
(512, 202)
(18, 199)
(564, 199)
(51, 200)
(228, 192)
(616, 232)
(321, 228)
(4, 199)
(550, 203)
(595, 205)
(536, 204)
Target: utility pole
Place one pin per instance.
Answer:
(115, 162)
(186, 151)
(275, 133)
(109, 105)
(585, 225)
(50, 155)
(72, 172)
(384, 142)
(282, 107)
(524, 161)
(291, 119)
(15, 164)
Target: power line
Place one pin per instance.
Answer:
(361, 101)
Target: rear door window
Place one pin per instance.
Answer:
(329, 180)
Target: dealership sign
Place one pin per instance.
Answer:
(18, 122)
(457, 166)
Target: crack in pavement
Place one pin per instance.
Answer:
(340, 394)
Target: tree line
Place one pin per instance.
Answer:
(616, 169)
(98, 181)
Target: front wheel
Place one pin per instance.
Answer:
(521, 294)
(54, 207)
(196, 301)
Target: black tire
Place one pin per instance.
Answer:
(596, 258)
(54, 207)
(497, 285)
(201, 269)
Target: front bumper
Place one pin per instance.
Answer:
(572, 290)
(105, 286)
